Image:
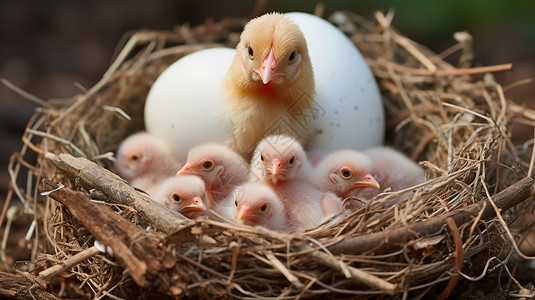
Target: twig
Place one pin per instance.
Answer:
(68, 263)
(356, 274)
(22, 287)
(280, 266)
(406, 43)
(57, 139)
(497, 209)
(458, 259)
(25, 94)
(139, 251)
(94, 176)
(200, 266)
(385, 240)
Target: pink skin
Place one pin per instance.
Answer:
(353, 184)
(394, 171)
(257, 204)
(274, 160)
(190, 208)
(183, 194)
(346, 173)
(281, 163)
(142, 154)
(220, 168)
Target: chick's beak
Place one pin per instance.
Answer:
(275, 166)
(247, 216)
(267, 71)
(184, 169)
(196, 204)
(368, 181)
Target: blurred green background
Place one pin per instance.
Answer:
(47, 46)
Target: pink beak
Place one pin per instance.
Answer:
(246, 216)
(268, 67)
(368, 181)
(184, 169)
(197, 204)
(275, 166)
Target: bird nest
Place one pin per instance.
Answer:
(93, 235)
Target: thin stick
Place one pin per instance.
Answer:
(200, 266)
(57, 139)
(469, 111)
(6, 206)
(356, 274)
(68, 263)
(504, 224)
(406, 43)
(532, 159)
(25, 94)
(458, 259)
(453, 72)
(280, 266)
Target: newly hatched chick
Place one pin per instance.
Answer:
(280, 158)
(346, 173)
(366, 174)
(281, 163)
(144, 160)
(219, 167)
(257, 204)
(392, 170)
(270, 84)
(184, 194)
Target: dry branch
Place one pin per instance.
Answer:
(140, 252)
(68, 263)
(18, 286)
(384, 241)
(94, 176)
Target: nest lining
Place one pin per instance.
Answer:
(455, 121)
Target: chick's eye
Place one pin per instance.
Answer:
(261, 157)
(134, 157)
(292, 161)
(345, 173)
(176, 198)
(236, 203)
(292, 56)
(250, 50)
(207, 165)
(263, 208)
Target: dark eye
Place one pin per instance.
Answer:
(177, 198)
(292, 56)
(251, 52)
(345, 173)
(261, 157)
(263, 208)
(207, 165)
(134, 157)
(236, 203)
(292, 161)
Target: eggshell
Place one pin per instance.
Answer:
(186, 104)
(350, 112)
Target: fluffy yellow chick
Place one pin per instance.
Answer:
(270, 84)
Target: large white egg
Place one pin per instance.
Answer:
(350, 111)
(186, 104)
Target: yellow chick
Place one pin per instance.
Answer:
(270, 84)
